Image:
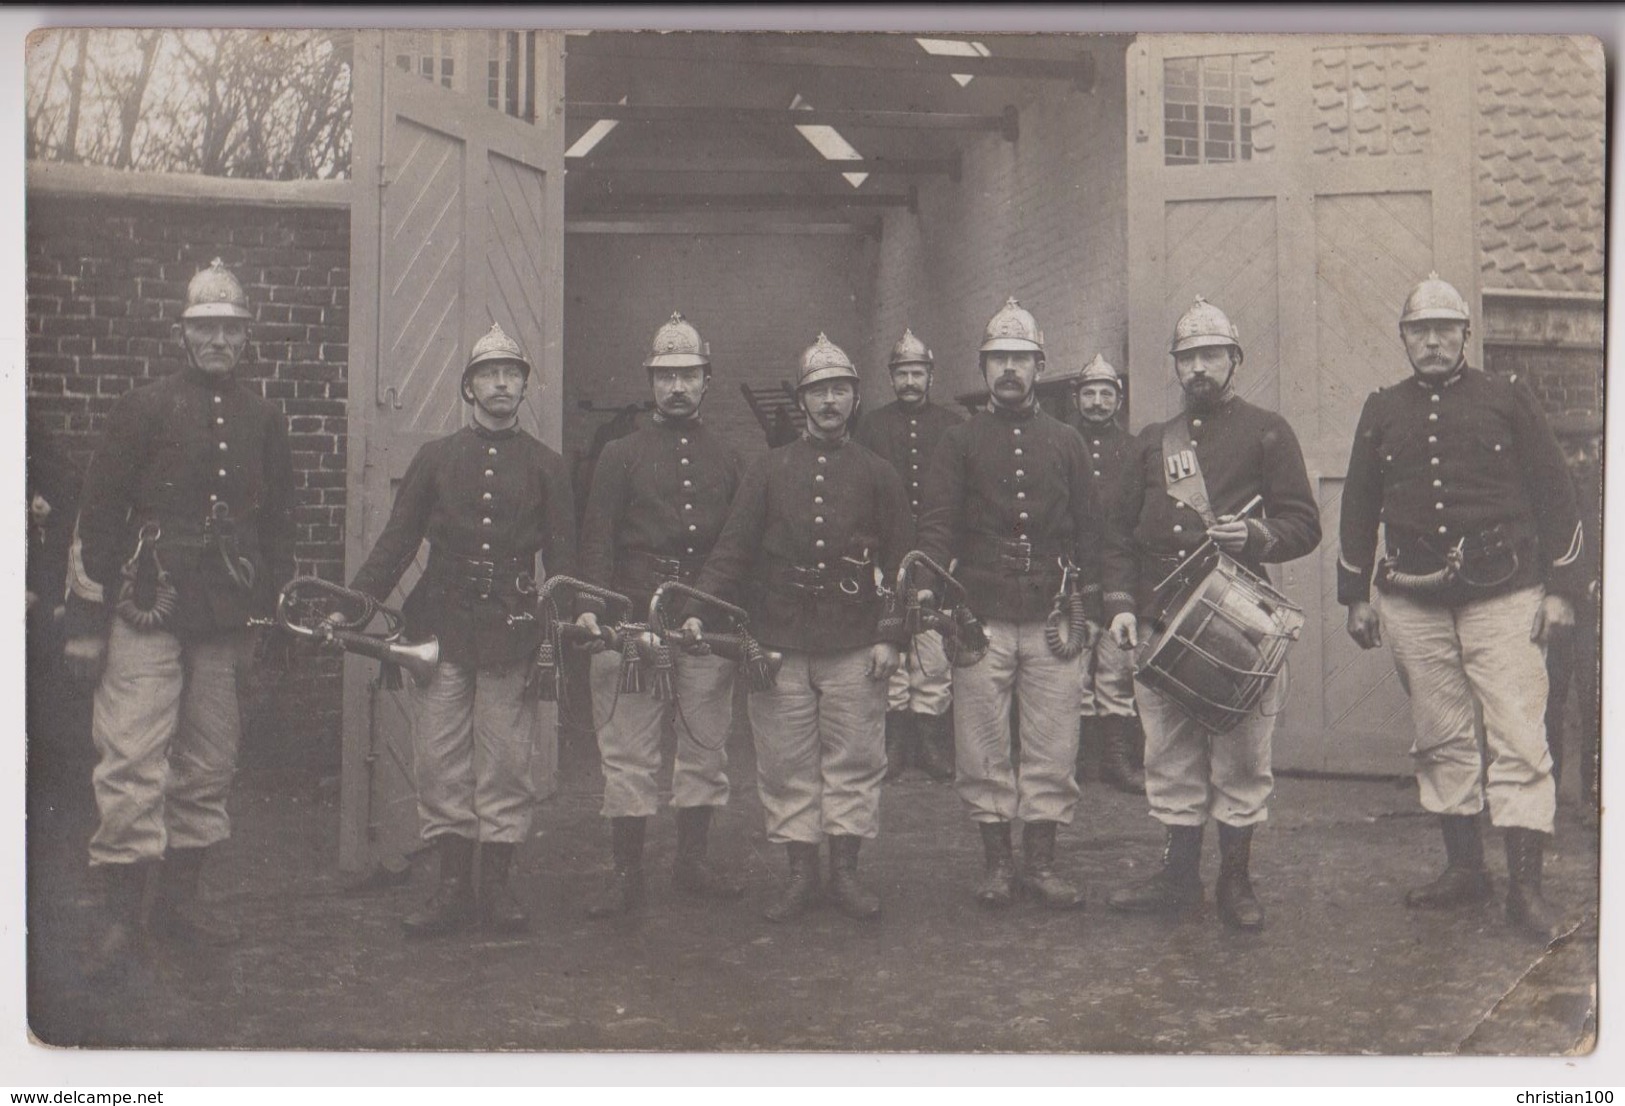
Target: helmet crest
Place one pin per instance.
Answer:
(677, 345)
(909, 350)
(1204, 325)
(1434, 298)
(1012, 327)
(215, 293)
(824, 360)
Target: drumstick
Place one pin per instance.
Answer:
(1246, 510)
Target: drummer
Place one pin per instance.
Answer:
(1183, 485)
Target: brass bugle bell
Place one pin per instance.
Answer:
(419, 658)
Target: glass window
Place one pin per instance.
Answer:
(1213, 107)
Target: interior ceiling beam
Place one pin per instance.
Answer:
(796, 167)
(782, 54)
(1007, 123)
(733, 201)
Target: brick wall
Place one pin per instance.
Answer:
(106, 283)
(758, 299)
(1043, 219)
(1566, 380)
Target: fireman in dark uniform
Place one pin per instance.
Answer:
(658, 501)
(1572, 659)
(1106, 713)
(487, 498)
(920, 693)
(1010, 494)
(1239, 450)
(1483, 564)
(816, 527)
(185, 532)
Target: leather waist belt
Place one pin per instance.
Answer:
(1013, 555)
(843, 583)
(643, 570)
(479, 577)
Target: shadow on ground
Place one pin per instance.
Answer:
(1342, 968)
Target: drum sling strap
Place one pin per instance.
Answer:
(1182, 472)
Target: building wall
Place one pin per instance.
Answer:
(106, 283)
(760, 300)
(1554, 344)
(1042, 219)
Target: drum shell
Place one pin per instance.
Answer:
(1225, 644)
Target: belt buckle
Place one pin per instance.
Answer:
(484, 578)
(1025, 557)
(669, 568)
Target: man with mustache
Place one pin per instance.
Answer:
(905, 433)
(659, 497)
(1230, 451)
(1483, 566)
(1106, 720)
(487, 498)
(1011, 494)
(185, 532)
(817, 527)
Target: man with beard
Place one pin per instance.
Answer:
(1483, 565)
(1011, 494)
(1106, 717)
(1235, 451)
(815, 529)
(185, 532)
(487, 498)
(658, 501)
(917, 699)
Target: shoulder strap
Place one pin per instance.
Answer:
(1181, 471)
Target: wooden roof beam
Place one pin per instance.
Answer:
(1080, 70)
(791, 167)
(1007, 123)
(625, 202)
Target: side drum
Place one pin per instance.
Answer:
(1224, 646)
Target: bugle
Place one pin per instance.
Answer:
(758, 665)
(419, 658)
(964, 640)
(546, 679)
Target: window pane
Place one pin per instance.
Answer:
(1215, 107)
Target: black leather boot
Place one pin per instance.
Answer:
(691, 874)
(1176, 887)
(800, 894)
(624, 892)
(1527, 908)
(1038, 876)
(1088, 749)
(849, 896)
(116, 945)
(934, 746)
(178, 913)
(899, 737)
(1464, 880)
(1239, 908)
(1116, 759)
(500, 912)
(452, 906)
(999, 879)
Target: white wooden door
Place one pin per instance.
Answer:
(457, 223)
(1303, 185)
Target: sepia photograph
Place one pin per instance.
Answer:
(814, 542)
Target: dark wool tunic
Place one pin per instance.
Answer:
(1108, 447)
(662, 491)
(1436, 464)
(1013, 476)
(481, 498)
(812, 512)
(907, 439)
(1243, 451)
(173, 450)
